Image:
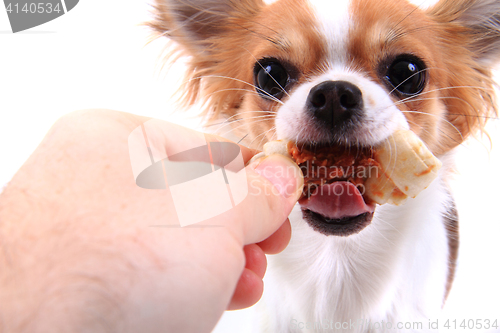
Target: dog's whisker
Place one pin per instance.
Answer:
(228, 122)
(449, 98)
(197, 78)
(382, 234)
(396, 32)
(246, 112)
(480, 88)
(224, 124)
(221, 123)
(443, 89)
(249, 121)
(473, 116)
(393, 228)
(459, 143)
(243, 138)
(246, 124)
(231, 119)
(263, 134)
(244, 90)
(441, 118)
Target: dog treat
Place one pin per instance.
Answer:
(408, 168)
(398, 168)
(329, 164)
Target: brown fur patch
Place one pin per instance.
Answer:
(458, 95)
(220, 69)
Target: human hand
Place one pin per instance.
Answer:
(85, 247)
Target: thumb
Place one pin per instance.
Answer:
(275, 184)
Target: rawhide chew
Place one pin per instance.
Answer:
(407, 166)
(398, 168)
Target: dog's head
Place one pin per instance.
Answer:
(348, 71)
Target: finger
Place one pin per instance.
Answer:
(248, 291)
(278, 241)
(275, 184)
(255, 259)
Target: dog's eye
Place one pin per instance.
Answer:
(407, 75)
(270, 79)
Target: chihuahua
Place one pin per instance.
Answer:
(350, 73)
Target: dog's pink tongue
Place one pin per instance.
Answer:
(337, 200)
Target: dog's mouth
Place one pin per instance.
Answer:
(333, 201)
(337, 209)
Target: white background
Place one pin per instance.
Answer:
(95, 57)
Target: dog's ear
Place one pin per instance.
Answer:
(468, 47)
(194, 23)
(478, 21)
(214, 35)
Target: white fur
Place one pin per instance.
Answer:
(393, 271)
(334, 22)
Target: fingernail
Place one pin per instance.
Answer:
(283, 173)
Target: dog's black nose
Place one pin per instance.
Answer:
(335, 102)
